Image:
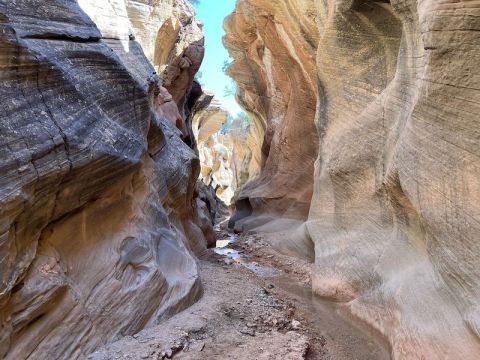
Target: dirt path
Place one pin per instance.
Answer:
(257, 305)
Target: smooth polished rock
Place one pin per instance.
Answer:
(394, 215)
(97, 219)
(273, 45)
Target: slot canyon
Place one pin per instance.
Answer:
(337, 216)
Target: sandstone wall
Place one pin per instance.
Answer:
(214, 156)
(273, 45)
(170, 36)
(394, 217)
(98, 216)
(228, 148)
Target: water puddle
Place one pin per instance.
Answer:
(225, 242)
(346, 339)
(241, 259)
(231, 253)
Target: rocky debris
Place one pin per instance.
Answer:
(98, 223)
(220, 324)
(394, 215)
(241, 317)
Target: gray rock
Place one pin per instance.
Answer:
(97, 226)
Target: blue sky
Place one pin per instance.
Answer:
(212, 14)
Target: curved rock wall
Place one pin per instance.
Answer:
(394, 214)
(170, 36)
(227, 148)
(98, 216)
(273, 45)
(245, 139)
(214, 156)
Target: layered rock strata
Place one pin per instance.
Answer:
(394, 215)
(273, 45)
(100, 213)
(170, 36)
(228, 148)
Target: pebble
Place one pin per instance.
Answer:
(247, 331)
(295, 324)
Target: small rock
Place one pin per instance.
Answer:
(247, 331)
(166, 354)
(198, 347)
(295, 324)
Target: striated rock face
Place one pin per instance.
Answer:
(245, 139)
(170, 36)
(215, 157)
(273, 45)
(98, 220)
(227, 148)
(394, 217)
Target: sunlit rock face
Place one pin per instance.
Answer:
(273, 45)
(226, 146)
(395, 212)
(170, 36)
(245, 139)
(99, 210)
(214, 156)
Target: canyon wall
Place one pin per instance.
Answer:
(394, 216)
(273, 45)
(228, 147)
(171, 38)
(100, 208)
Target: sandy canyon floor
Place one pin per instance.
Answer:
(257, 304)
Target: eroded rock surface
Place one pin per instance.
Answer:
(273, 45)
(99, 222)
(394, 216)
(227, 148)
